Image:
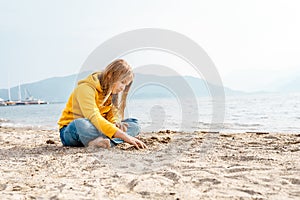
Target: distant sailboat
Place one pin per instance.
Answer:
(20, 102)
(9, 102)
(31, 100)
(2, 102)
(27, 101)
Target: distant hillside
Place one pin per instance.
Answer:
(58, 89)
(171, 86)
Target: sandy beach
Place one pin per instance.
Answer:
(177, 165)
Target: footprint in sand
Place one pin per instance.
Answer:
(206, 181)
(271, 137)
(174, 176)
(251, 192)
(150, 184)
(17, 188)
(3, 187)
(235, 170)
(294, 181)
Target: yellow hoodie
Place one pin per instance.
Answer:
(86, 102)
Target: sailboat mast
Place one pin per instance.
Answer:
(8, 89)
(19, 94)
(9, 98)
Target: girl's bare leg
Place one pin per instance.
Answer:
(100, 143)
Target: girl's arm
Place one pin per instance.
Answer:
(129, 139)
(84, 97)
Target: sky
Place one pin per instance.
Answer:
(254, 44)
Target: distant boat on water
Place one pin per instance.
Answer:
(30, 101)
(22, 102)
(27, 101)
(2, 102)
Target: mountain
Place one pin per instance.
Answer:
(58, 89)
(149, 86)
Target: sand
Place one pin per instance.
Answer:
(177, 165)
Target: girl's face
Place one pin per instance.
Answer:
(119, 86)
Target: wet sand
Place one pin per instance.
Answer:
(177, 165)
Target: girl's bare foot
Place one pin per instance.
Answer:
(100, 143)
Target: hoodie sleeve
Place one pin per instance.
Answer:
(85, 97)
(112, 115)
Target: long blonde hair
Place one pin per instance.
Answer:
(118, 70)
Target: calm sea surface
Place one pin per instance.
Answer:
(272, 113)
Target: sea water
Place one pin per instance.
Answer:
(264, 113)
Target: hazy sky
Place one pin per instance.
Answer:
(252, 43)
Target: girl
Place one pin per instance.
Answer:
(93, 114)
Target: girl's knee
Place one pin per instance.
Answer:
(83, 124)
(133, 128)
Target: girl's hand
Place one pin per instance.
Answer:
(121, 125)
(136, 142)
(129, 139)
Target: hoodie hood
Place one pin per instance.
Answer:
(93, 81)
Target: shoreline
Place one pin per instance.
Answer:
(12, 125)
(27, 127)
(177, 165)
